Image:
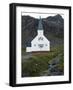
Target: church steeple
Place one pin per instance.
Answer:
(40, 26)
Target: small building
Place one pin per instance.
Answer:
(40, 42)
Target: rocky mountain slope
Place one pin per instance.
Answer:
(53, 29)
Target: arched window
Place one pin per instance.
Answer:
(40, 38)
(34, 44)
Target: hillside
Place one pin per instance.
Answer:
(43, 63)
(53, 29)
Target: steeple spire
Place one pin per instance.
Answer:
(40, 26)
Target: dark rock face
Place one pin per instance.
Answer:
(53, 26)
(29, 28)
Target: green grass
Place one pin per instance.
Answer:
(61, 64)
(23, 51)
(39, 62)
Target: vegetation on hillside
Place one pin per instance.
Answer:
(43, 63)
(39, 62)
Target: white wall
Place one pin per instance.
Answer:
(36, 42)
(4, 45)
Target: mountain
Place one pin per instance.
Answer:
(53, 28)
(54, 25)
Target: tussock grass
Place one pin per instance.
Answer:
(39, 62)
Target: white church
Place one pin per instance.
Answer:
(40, 42)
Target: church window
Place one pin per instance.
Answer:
(34, 44)
(40, 45)
(40, 38)
(45, 44)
